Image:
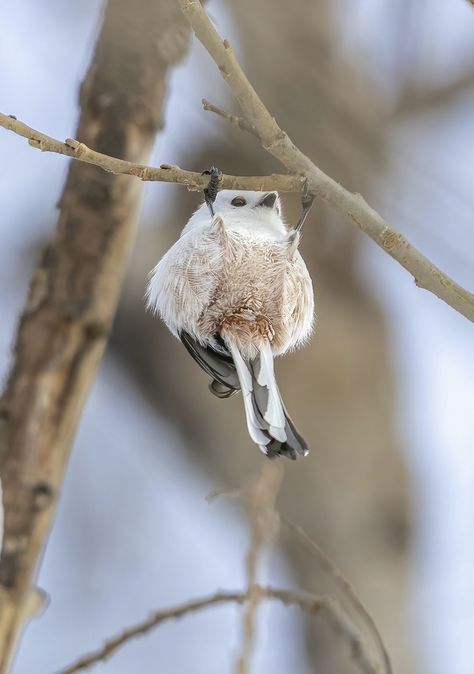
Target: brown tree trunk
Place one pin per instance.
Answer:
(74, 292)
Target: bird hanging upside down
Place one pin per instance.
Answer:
(235, 290)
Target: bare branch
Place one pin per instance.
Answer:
(328, 566)
(309, 603)
(420, 98)
(239, 122)
(165, 173)
(343, 583)
(259, 498)
(277, 143)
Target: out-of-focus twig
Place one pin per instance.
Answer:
(354, 206)
(312, 604)
(344, 585)
(165, 173)
(421, 98)
(259, 498)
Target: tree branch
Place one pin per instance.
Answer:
(259, 498)
(309, 544)
(344, 585)
(277, 143)
(309, 603)
(237, 121)
(420, 98)
(165, 173)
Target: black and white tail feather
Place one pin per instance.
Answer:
(268, 422)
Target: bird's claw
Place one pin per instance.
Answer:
(210, 192)
(307, 199)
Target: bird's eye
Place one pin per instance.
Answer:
(238, 201)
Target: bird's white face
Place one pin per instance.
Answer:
(257, 212)
(247, 203)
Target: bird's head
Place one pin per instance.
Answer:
(256, 212)
(248, 204)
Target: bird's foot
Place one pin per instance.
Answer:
(210, 192)
(307, 200)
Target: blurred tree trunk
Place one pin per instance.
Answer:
(73, 295)
(350, 493)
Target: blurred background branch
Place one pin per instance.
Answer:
(73, 296)
(306, 601)
(259, 498)
(418, 98)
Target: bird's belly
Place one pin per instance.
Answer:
(248, 301)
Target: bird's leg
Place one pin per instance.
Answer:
(306, 203)
(210, 192)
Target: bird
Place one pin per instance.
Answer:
(236, 291)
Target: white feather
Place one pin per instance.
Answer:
(245, 379)
(274, 414)
(184, 280)
(265, 222)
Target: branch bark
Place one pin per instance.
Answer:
(277, 143)
(65, 324)
(165, 173)
(310, 603)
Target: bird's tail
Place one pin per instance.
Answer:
(267, 419)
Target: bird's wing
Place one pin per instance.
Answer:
(298, 304)
(186, 278)
(217, 364)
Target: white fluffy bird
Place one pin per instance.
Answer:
(235, 290)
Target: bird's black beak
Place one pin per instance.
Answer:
(269, 200)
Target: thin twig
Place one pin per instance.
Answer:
(237, 121)
(330, 568)
(165, 173)
(259, 497)
(309, 603)
(354, 206)
(344, 584)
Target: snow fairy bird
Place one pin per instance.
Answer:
(235, 290)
